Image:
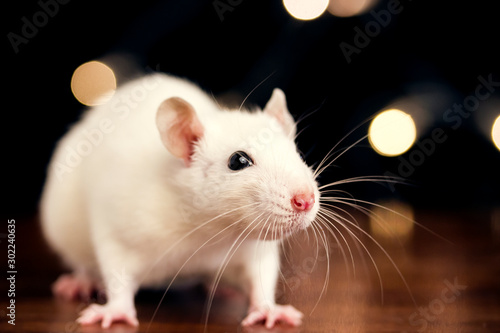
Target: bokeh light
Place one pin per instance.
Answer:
(346, 8)
(392, 132)
(305, 9)
(495, 132)
(93, 83)
(392, 218)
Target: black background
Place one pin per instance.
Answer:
(446, 44)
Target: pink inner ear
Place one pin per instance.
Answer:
(179, 128)
(192, 132)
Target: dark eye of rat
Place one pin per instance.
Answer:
(239, 160)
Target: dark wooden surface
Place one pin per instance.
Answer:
(455, 283)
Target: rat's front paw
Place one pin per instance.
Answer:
(270, 315)
(107, 314)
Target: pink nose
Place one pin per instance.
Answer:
(303, 202)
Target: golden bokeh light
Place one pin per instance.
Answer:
(93, 83)
(495, 132)
(305, 9)
(346, 8)
(392, 132)
(392, 219)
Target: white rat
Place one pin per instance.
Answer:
(161, 183)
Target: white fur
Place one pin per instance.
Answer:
(120, 208)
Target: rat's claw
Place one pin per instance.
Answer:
(107, 315)
(270, 316)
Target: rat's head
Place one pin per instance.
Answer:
(242, 167)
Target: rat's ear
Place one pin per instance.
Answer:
(179, 127)
(277, 108)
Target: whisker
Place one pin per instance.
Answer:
(225, 262)
(305, 115)
(193, 254)
(271, 225)
(357, 207)
(319, 170)
(327, 274)
(215, 100)
(323, 220)
(348, 201)
(197, 228)
(313, 228)
(373, 178)
(338, 218)
(300, 132)
(333, 209)
(251, 91)
(320, 167)
(371, 215)
(367, 212)
(384, 251)
(284, 252)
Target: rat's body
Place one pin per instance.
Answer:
(160, 181)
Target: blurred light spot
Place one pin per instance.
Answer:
(495, 132)
(392, 132)
(93, 83)
(305, 9)
(346, 8)
(392, 219)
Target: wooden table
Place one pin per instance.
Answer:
(450, 285)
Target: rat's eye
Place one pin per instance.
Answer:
(239, 160)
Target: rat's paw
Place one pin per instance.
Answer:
(271, 315)
(107, 314)
(72, 287)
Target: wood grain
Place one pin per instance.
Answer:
(450, 285)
